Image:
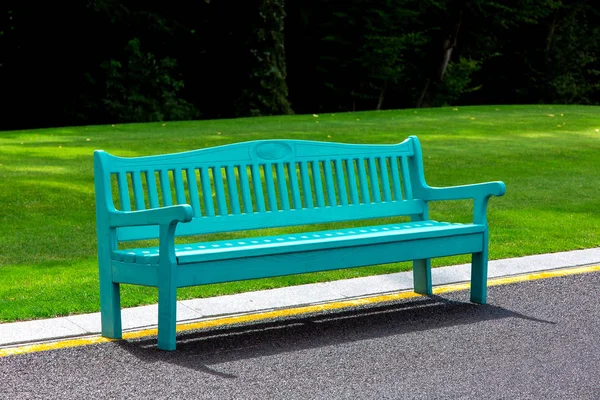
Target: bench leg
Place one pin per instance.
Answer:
(479, 272)
(110, 308)
(167, 316)
(422, 276)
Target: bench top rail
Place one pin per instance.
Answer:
(260, 184)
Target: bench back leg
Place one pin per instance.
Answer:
(479, 272)
(422, 276)
(110, 306)
(422, 268)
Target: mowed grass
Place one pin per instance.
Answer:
(548, 156)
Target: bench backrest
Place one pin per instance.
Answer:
(265, 183)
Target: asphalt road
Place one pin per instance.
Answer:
(534, 340)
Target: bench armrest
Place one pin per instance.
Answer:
(155, 216)
(479, 192)
(475, 191)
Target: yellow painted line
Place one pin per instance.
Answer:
(296, 311)
(520, 278)
(63, 344)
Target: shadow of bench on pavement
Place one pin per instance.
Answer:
(199, 349)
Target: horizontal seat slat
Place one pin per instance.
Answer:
(271, 265)
(251, 247)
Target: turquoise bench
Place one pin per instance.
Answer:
(265, 184)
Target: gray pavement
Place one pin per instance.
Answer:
(27, 332)
(534, 340)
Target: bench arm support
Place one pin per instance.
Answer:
(156, 216)
(479, 192)
(167, 218)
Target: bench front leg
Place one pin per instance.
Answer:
(110, 303)
(167, 289)
(167, 315)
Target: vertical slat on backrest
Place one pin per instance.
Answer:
(268, 170)
(374, 180)
(408, 195)
(294, 180)
(257, 187)
(316, 174)
(138, 191)
(341, 183)
(329, 185)
(123, 191)
(151, 186)
(179, 190)
(349, 164)
(396, 179)
(362, 181)
(308, 199)
(385, 179)
(281, 185)
(234, 199)
(245, 185)
(209, 207)
(219, 191)
(294, 188)
(165, 187)
(190, 173)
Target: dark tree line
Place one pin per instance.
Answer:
(106, 61)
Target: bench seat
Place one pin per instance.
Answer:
(298, 242)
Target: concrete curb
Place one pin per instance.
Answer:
(137, 318)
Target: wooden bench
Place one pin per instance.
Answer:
(266, 184)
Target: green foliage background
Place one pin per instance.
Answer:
(108, 61)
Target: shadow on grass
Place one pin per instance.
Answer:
(198, 350)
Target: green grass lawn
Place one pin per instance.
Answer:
(548, 156)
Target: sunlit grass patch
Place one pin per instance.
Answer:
(47, 205)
